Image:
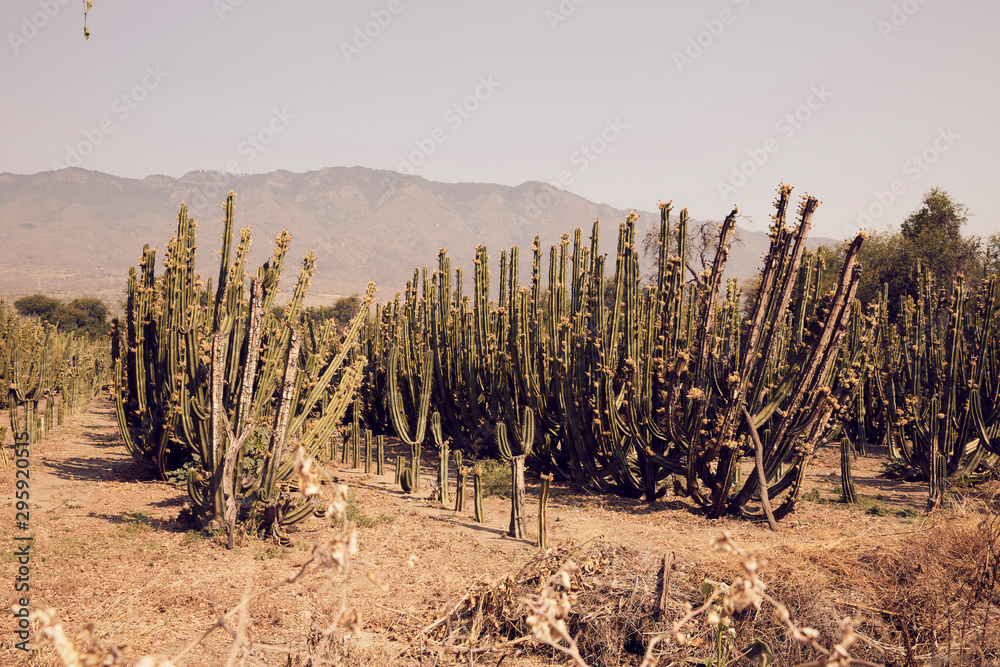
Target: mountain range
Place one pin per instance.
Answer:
(76, 232)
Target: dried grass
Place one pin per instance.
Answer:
(928, 596)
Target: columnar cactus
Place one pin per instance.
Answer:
(195, 372)
(940, 380)
(443, 454)
(622, 386)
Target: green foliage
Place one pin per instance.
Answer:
(495, 478)
(354, 513)
(813, 496)
(42, 306)
(938, 213)
(932, 236)
(991, 254)
(876, 510)
(341, 313)
(271, 552)
(83, 315)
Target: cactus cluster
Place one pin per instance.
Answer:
(48, 375)
(618, 385)
(582, 373)
(215, 382)
(939, 379)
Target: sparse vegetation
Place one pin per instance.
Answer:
(362, 520)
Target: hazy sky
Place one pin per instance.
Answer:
(863, 103)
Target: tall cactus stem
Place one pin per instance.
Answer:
(543, 503)
(368, 452)
(477, 484)
(516, 529)
(847, 493)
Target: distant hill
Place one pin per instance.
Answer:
(74, 231)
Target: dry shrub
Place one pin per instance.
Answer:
(940, 586)
(925, 596)
(616, 598)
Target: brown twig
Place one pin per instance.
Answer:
(668, 564)
(759, 464)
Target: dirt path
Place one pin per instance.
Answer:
(109, 549)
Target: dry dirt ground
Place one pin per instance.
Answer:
(110, 551)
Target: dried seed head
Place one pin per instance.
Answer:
(335, 509)
(308, 478)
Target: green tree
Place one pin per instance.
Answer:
(87, 315)
(345, 308)
(932, 235)
(938, 213)
(885, 257)
(84, 315)
(991, 255)
(341, 312)
(42, 306)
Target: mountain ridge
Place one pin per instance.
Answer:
(76, 231)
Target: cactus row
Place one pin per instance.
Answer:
(48, 375)
(619, 385)
(936, 383)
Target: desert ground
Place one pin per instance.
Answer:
(114, 555)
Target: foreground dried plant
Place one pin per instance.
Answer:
(332, 560)
(749, 591)
(551, 608)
